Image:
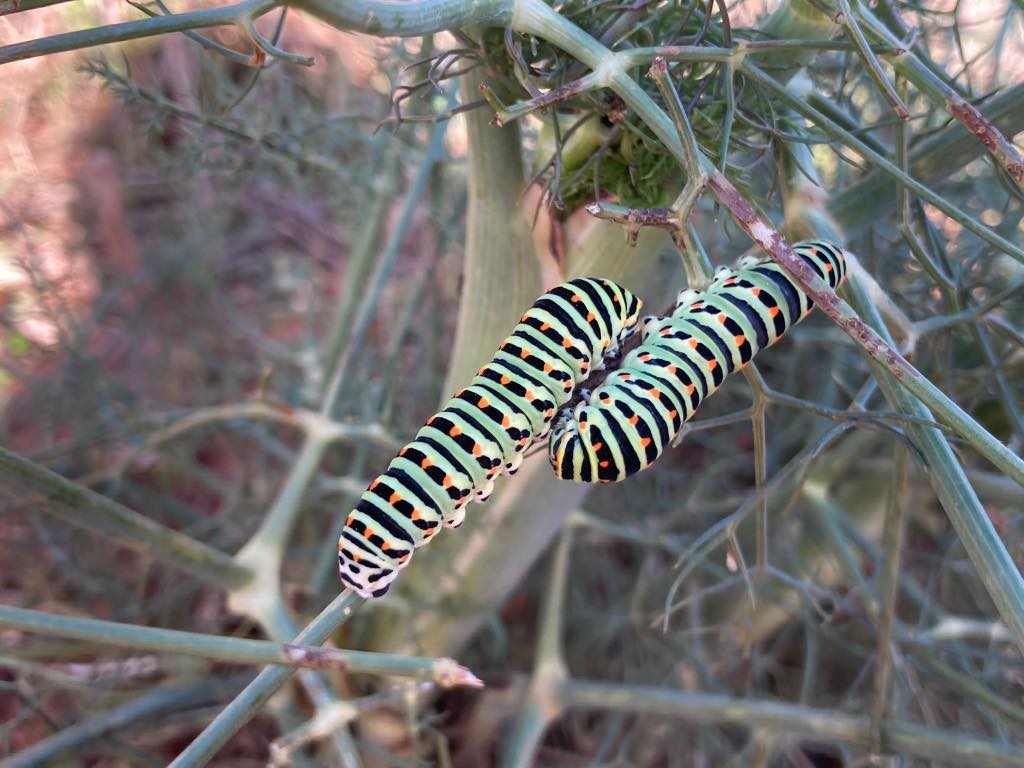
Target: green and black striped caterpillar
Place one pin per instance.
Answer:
(484, 429)
(625, 424)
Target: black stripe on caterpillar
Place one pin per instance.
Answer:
(484, 429)
(626, 423)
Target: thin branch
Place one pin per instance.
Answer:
(445, 672)
(790, 721)
(83, 507)
(248, 702)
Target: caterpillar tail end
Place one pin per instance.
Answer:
(366, 578)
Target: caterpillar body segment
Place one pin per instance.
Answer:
(627, 422)
(484, 430)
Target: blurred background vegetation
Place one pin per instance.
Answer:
(230, 285)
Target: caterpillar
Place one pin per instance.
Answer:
(638, 410)
(484, 429)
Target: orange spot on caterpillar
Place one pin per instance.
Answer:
(644, 442)
(566, 342)
(394, 498)
(348, 521)
(626, 376)
(672, 369)
(666, 331)
(755, 292)
(446, 481)
(712, 364)
(547, 368)
(404, 558)
(741, 339)
(483, 402)
(426, 462)
(384, 547)
(606, 401)
(356, 557)
(673, 413)
(693, 343)
(773, 311)
(656, 393)
(415, 515)
(590, 316)
(645, 357)
(529, 395)
(689, 389)
(634, 419)
(369, 533)
(374, 484)
(603, 464)
(721, 317)
(545, 326)
(477, 450)
(524, 353)
(506, 421)
(598, 446)
(455, 431)
(505, 380)
(583, 426)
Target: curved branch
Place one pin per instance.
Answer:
(419, 17)
(133, 30)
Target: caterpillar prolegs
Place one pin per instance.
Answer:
(484, 429)
(638, 410)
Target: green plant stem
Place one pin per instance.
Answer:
(973, 526)
(933, 159)
(888, 587)
(874, 69)
(161, 702)
(361, 257)
(133, 30)
(83, 507)
(790, 721)
(907, 64)
(384, 263)
(247, 703)
(444, 672)
(543, 703)
(501, 275)
(408, 19)
(836, 132)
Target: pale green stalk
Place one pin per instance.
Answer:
(235, 650)
(80, 506)
(244, 706)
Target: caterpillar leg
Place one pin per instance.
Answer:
(485, 491)
(456, 518)
(513, 466)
